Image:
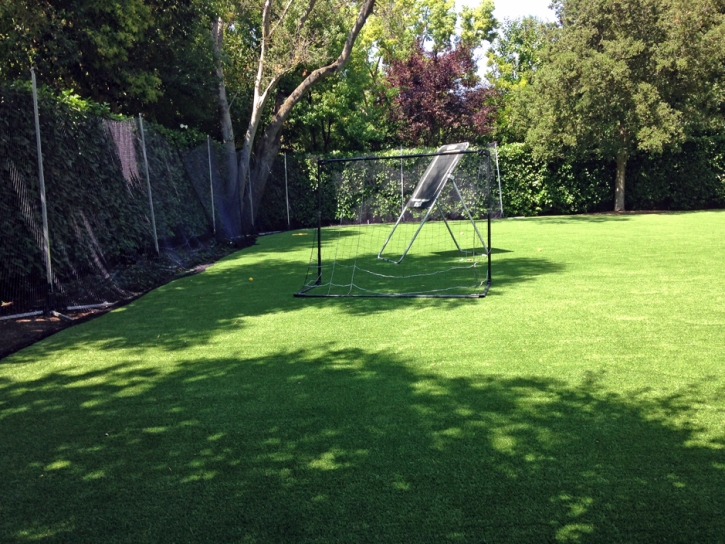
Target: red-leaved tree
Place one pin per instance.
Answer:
(440, 98)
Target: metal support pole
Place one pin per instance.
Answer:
(286, 190)
(211, 184)
(43, 204)
(488, 184)
(402, 189)
(498, 176)
(319, 224)
(251, 201)
(148, 183)
(468, 213)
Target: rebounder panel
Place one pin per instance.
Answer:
(426, 193)
(450, 255)
(436, 175)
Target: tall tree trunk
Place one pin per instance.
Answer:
(268, 146)
(622, 157)
(230, 226)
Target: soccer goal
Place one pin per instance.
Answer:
(410, 225)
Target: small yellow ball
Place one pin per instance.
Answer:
(251, 279)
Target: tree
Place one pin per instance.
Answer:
(437, 95)
(440, 99)
(513, 58)
(343, 113)
(150, 56)
(292, 34)
(515, 53)
(623, 76)
(398, 27)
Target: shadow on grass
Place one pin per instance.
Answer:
(514, 270)
(350, 446)
(573, 219)
(191, 311)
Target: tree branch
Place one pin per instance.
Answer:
(324, 71)
(303, 19)
(281, 17)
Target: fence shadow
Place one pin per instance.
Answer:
(255, 281)
(350, 445)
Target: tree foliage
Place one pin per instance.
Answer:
(513, 59)
(515, 54)
(440, 98)
(626, 75)
(343, 113)
(150, 56)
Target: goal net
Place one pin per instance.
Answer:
(415, 225)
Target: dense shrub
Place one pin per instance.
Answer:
(692, 178)
(302, 189)
(689, 179)
(97, 216)
(531, 187)
(686, 179)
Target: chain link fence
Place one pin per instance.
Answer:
(94, 210)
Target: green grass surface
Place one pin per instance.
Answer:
(433, 265)
(582, 401)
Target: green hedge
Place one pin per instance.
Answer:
(691, 178)
(531, 187)
(302, 189)
(97, 217)
(688, 179)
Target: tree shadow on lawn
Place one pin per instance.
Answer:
(573, 219)
(351, 446)
(191, 311)
(611, 216)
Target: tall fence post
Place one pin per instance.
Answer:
(251, 201)
(43, 204)
(286, 190)
(319, 222)
(211, 185)
(498, 176)
(148, 182)
(402, 189)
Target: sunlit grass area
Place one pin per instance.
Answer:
(582, 401)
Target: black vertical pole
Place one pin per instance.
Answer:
(319, 224)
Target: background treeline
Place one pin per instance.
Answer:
(613, 94)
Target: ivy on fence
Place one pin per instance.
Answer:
(98, 213)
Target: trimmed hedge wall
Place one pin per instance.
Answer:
(692, 178)
(531, 187)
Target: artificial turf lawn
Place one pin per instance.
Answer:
(437, 264)
(581, 401)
